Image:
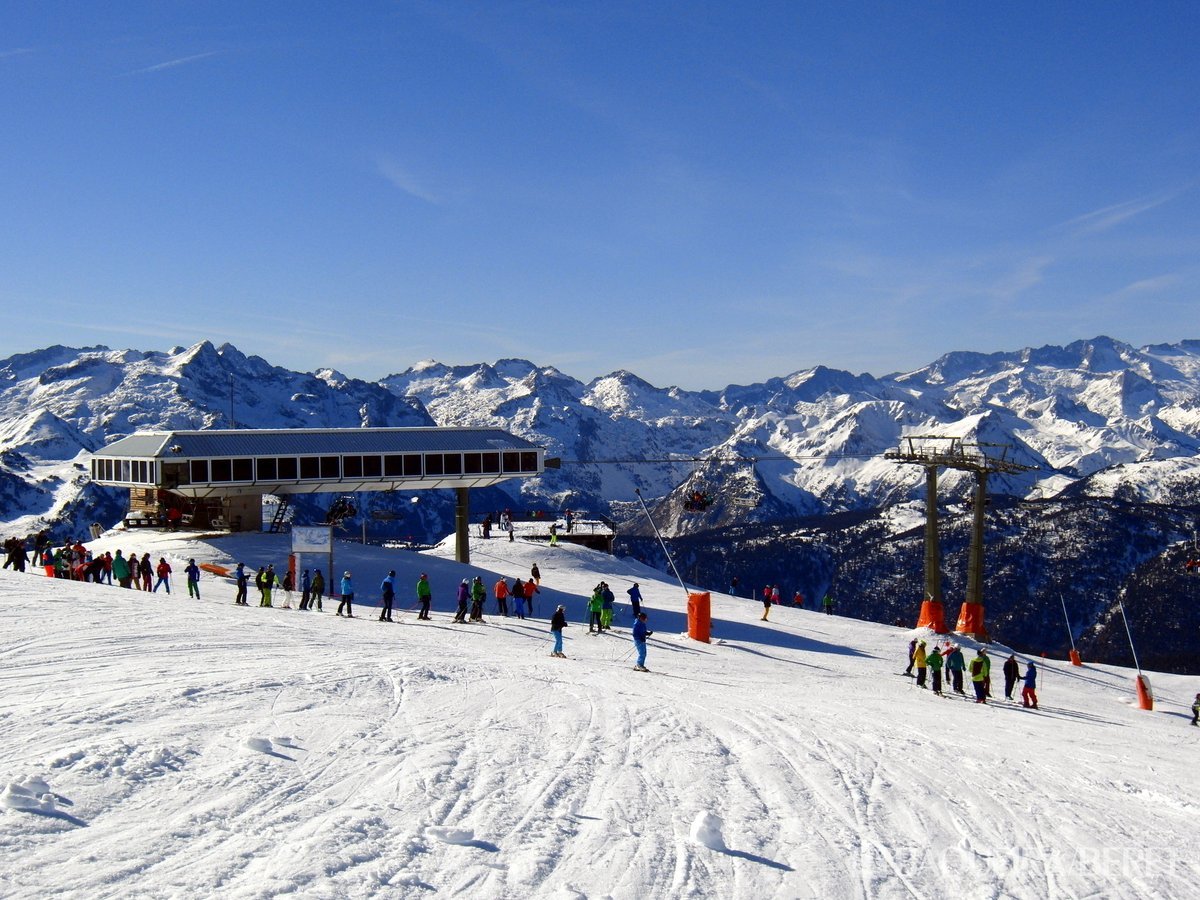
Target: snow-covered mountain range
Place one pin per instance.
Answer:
(1097, 420)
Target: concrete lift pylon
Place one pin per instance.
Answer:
(934, 452)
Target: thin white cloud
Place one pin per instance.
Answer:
(401, 178)
(172, 63)
(18, 51)
(1109, 217)
(1147, 286)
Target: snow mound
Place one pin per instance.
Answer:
(31, 792)
(261, 744)
(706, 830)
(448, 835)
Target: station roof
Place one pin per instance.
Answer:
(226, 463)
(309, 442)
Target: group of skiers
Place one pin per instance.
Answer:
(75, 562)
(931, 663)
(772, 596)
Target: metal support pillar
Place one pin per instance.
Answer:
(462, 524)
(975, 562)
(933, 553)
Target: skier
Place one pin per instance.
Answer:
(1012, 671)
(766, 602)
(827, 602)
(979, 668)
(558, 622)
(145, 569)
(388, 588)
(955, 664)
(595, 607)
(240, 579)
(164, 575)
(639, 641)
(912, 650)
(193, 579)
(288, 584)
(347, 596)
(606, 607)
(920, 660)
(500, 589)
(305, 591)
(1029, 691)
(268, 585)
(318, 588)
(635, 599)
(517, 592)
(424, 596)
(536, 575)
(260, 584)
(935, 668)
(1196, 710)
(121, 570)
(530, 590)
(478, 597)
(987, 672)
(554, 534)
(798, 600)
(107, 576)
(775, 595)
(464, 596)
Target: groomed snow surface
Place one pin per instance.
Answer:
(159, 746)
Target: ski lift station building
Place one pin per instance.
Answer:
(217, 479)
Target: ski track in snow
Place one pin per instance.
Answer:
(194, 748)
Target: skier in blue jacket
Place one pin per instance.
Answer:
(347, 597)
(639, 641)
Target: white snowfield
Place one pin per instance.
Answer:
(160, 746)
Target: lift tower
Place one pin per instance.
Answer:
(935, 452)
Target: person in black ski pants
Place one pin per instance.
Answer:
(389, 595)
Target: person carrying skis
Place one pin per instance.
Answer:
(558, 622)
(635, 599)
(347, 596)
(639, 641)
(1012, 671)
(1029, 691)
(978, 676)
(424, 596)
(193, 579)
(318, 588)
(935, 669)
(164, 575)
(388, 589)
(595, 608)
(955, 664)
(464, 597)
(500, 589)
(920, 660)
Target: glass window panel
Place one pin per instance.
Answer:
(268, 468)
(512, 461)
(528, 461)
(310, 468)
(433, 464)
(412, 465)
(288, 470)
(372, 466)
(393, 466)
(199, 471)
(331, 466)
(243, 470)
(472, 463)
(490, 463)
(222, 470)
(352, 466)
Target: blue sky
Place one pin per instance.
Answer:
(701, 193)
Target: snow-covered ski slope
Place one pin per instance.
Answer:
(157, 746)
